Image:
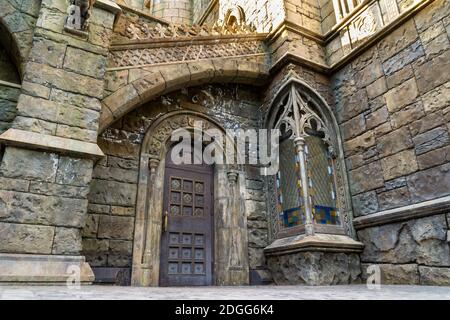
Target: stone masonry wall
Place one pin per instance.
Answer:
(108, 235)
(392, 103)
(43, 194)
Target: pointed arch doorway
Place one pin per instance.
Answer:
(187, 230)
(230, 266)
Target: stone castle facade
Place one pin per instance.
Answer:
(90, 92)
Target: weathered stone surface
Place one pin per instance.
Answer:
(359, 144)
(115, 227)
(83, 62)
(401, 96)
(399, 164)
(315, 268)
(394, 198)
(403, 58)
(377, 117)
(96, 251)
(365, 203)
(437, 99)
(67, 241)
(431, 140)
(353, 127)
(432, 276)
(434, 158)
(120, 252)
(426, 123)
(53, 189)
(14, 184)
(421, 241)
(65, 80)
(366, 178)
(407, 114)
(122, 211)
(78, 100)
(394, 142)
(29, 164)
(429, 184)
(73, 171)
(257, 238)
(394, 274)
(91, 227)
(426, 75)
(397, 78)
(25, 238)
(111, 192)
(115, 174)
(398, 40)
(376, 88)
(256, 257)
(256, 210)
(48, 52)
(41, 209)
(351, 105)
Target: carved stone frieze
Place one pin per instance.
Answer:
(140, 30)
(193, 52)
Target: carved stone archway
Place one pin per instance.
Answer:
(231, 266)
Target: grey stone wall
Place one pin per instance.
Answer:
(392, 104)
(108, 235)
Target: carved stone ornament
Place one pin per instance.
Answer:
(190, 52)
(139, 30)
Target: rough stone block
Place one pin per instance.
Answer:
(23, 238)
(366, 178)
(120, 253)
(74, 171)
(67, 241)
(401, 96)
(399, 164)
(84, 62)
(426, 75)
(421, 241)
(115, 227)
(431, 140)
(365, 203)
(394, 274)
(113, 193)
(394, 142)
(429, 184)
(432, 276)
(394, 198)
(29, 164)
(42, 209)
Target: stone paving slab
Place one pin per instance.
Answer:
(350, 292)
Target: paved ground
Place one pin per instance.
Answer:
(227, 293)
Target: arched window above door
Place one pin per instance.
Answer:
(309, 188)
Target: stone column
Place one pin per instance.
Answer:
(51, 148)
(231, 265)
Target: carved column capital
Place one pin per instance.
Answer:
(153, 164)
(232, 176)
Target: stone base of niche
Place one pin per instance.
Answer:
(43, 269)
(317, 260)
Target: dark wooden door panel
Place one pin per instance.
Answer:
(186, 241)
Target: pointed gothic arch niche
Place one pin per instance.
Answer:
(310, 193)
(231, 266)
(234, 16)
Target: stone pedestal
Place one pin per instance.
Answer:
(48, 269)
(320, 259)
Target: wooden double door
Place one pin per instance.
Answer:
(187, 230)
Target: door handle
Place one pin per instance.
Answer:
(165, 220)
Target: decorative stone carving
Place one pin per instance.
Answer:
(140, 30)
(189, 52)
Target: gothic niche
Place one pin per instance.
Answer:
(78, 14)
